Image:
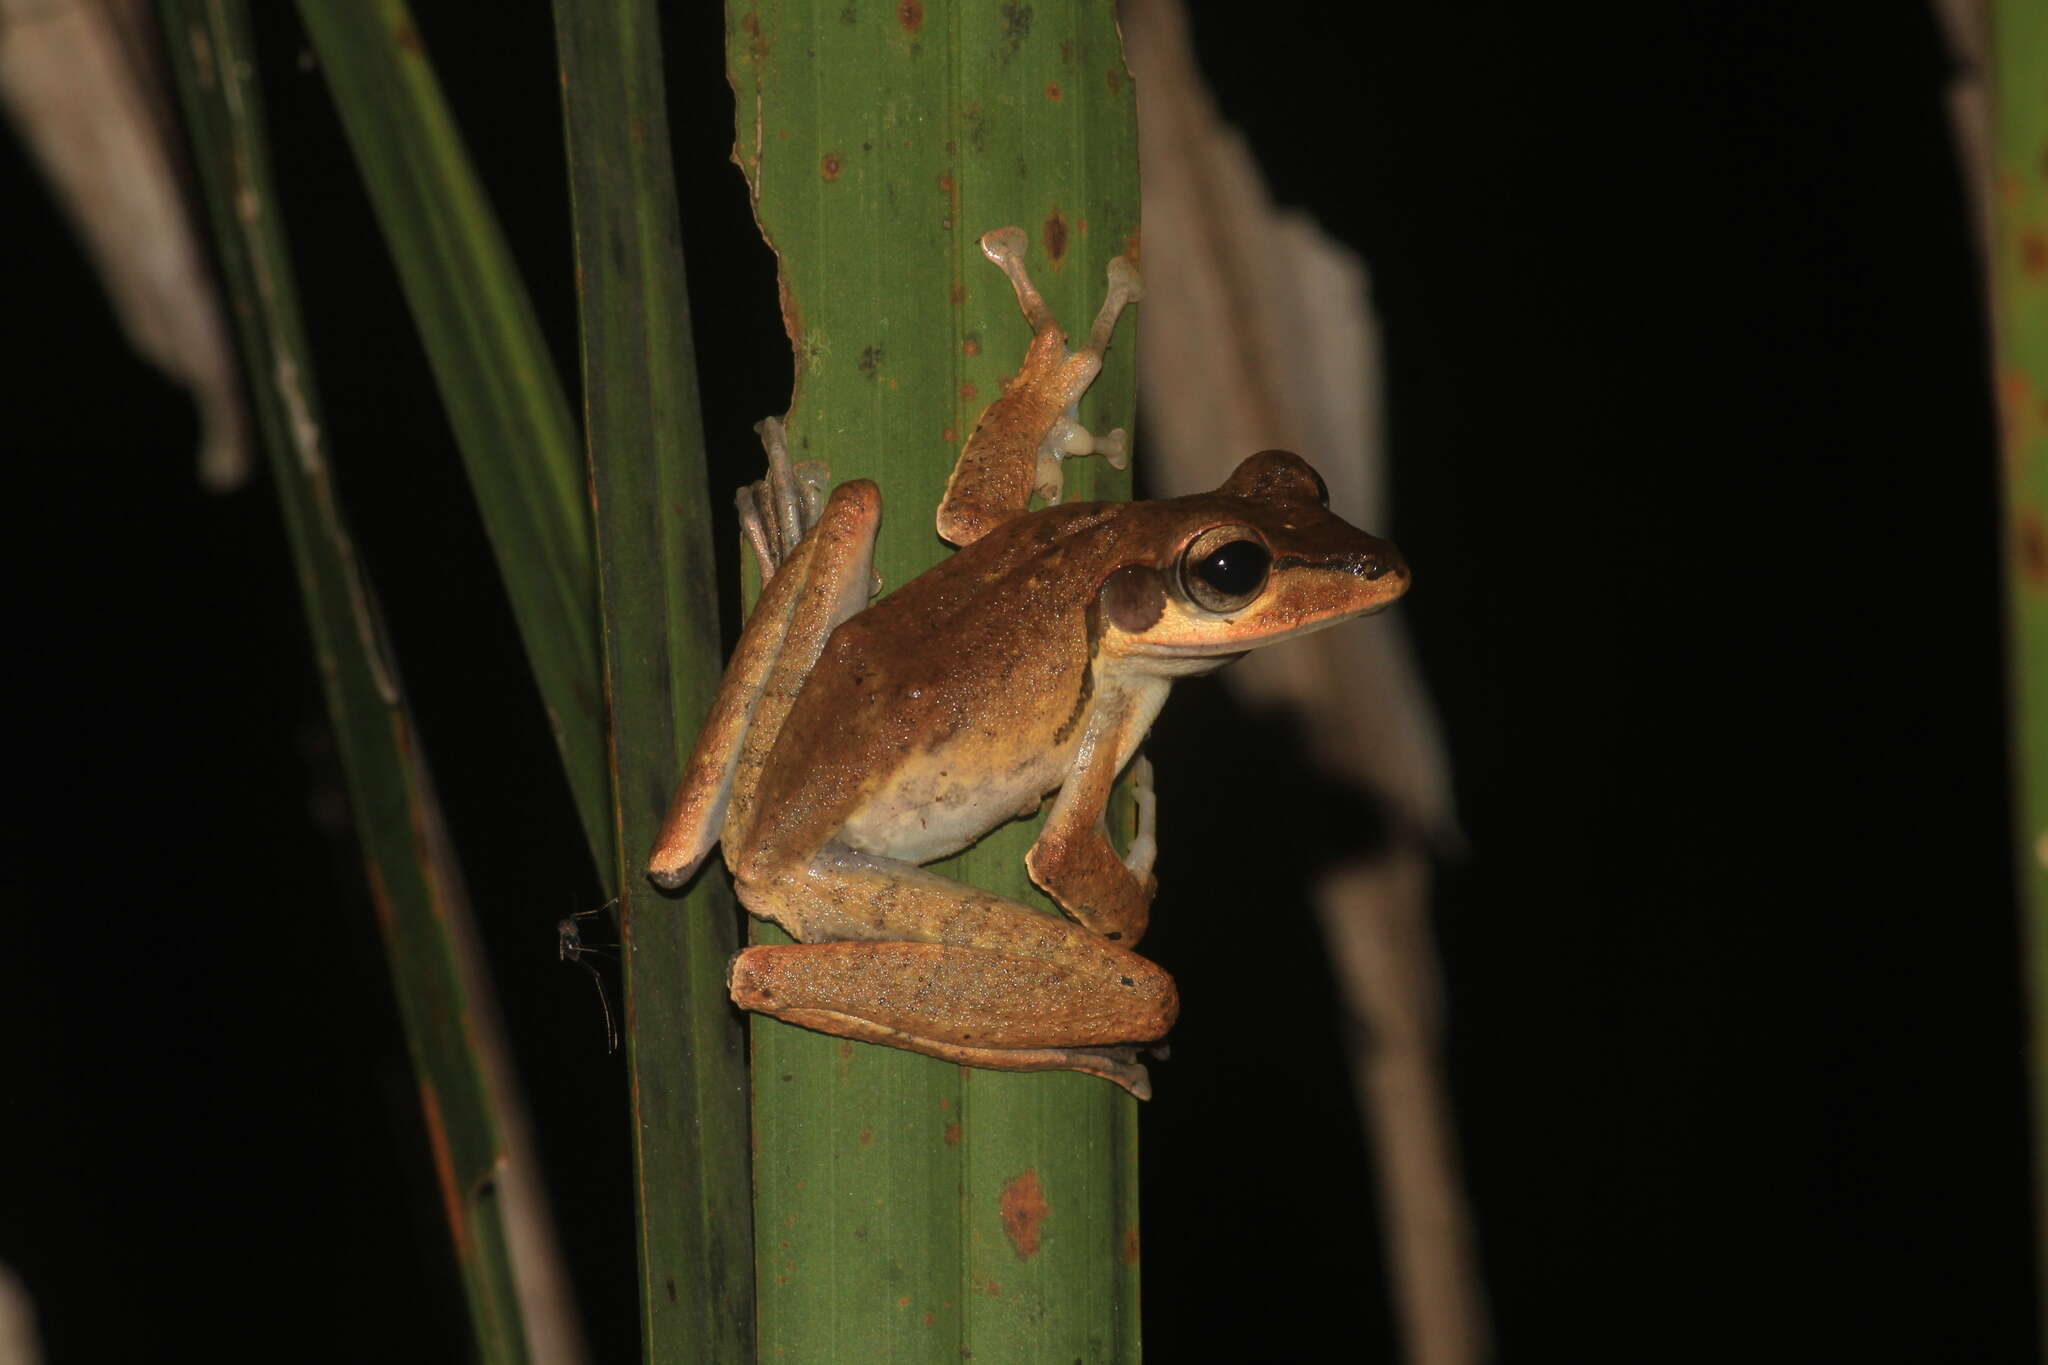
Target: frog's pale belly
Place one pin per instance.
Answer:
(945, 799)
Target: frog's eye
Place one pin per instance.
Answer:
(1223, 569)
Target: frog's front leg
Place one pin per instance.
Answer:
(1073, 860)
(897, 955)
(1018, 444)
(815, 561)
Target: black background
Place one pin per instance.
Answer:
(1688, 400)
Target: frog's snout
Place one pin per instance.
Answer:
(1385, 567)
(1381, 564)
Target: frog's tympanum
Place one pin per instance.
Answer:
(850, 743)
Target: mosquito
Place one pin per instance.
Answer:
(569, 945)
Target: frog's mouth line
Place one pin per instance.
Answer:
(1371, 568)
(1157, 649)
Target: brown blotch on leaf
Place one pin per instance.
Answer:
(2034, 252)
(1055, 235)
(953, 1135)
(668, 1282)
(869, 360)
(1052, 92)
(2033, 550)
(829, 167)
(1023, 1208)
(910, 15)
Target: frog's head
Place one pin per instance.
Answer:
(1261, 559)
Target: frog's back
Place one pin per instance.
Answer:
(950, 705)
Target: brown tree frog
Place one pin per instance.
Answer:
(850, 743)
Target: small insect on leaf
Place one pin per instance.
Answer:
(570, 947)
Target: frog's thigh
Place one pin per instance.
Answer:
(967, 1005)
(896, 954)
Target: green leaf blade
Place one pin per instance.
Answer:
(662, 663)
(473, 1114)
(504, 400)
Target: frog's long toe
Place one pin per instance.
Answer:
(776, 510)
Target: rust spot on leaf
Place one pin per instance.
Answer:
(1114, 79)
(1128, 1250)
(1023, 1208)
(953, 1134)
(867, 1137)
(1052, 91)
(637, 130)
(407, 37)
(967, 392)
(2033, 550)
(929, 1317)
(845, 1051)
(910, 14)
(1055, 237)
(2034, 252)
(994, 1290)
(829, 167)
(903, 1301)
(970, 346)
(1134, 246)
(948, 435)
(444, 1167)
(957, 295)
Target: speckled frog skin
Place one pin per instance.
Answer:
(850, 743)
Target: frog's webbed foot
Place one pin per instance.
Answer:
(776, 509)
(1018, 444)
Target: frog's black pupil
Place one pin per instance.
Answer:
(1236, 568)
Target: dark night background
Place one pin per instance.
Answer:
(1688, 401)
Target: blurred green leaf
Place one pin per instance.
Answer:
(473, 1113)
(2020, 216)
(491, 364)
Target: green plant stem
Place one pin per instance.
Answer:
(907, 1209)
(662, 663)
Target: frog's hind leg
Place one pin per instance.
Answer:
(897, 955)
(816, 555)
